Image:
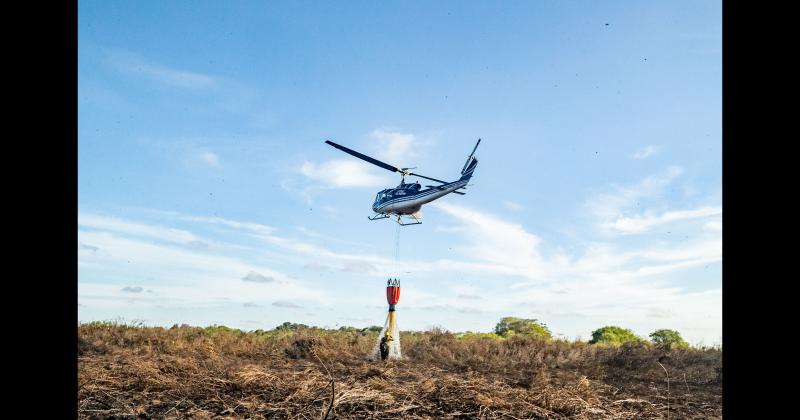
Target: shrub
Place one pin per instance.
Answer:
(221, 329)
(668, 338)
(291, 326)
(614, 335)
(374, 328)
(349, 329)
(509, 326)
(478, 335)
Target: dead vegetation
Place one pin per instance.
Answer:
(185, 372)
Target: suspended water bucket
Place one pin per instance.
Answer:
(392, 292)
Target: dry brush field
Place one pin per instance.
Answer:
(186, 372)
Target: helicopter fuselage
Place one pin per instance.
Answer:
(407, 199)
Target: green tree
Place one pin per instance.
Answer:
(668, 338)
(374, 328)
(290, 326)
(469, 335)
(614, 335)
(349, 329)
(510, 325)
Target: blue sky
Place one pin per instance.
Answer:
(206, 193)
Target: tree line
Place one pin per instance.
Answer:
(609, 334)
(512, 326)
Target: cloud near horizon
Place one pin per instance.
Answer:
(552, 282)
(286, 304)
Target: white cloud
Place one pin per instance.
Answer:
(343, 174)
(643, 223)
(646, 152)
(607, 207)
(449, 229)
(493, 245)
(258, 278)
(176, 263)
(359, 267)
(286, 304)
(182, 275)
(297, 248)
(513, 206)
(395, 148)
(493, 240)
(604, 281)
(714, 226)
(328, 238)
(123, 256)
(257, 229)
(134, 64)
(88, 247)
(136, 229)
(211, 158)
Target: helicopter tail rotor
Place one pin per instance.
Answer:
(471, 163)
(469, 169)
(463, 170)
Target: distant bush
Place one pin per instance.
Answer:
(218, 329)
(509, 326)
(361, 331)
(374, 328)
(614, 335)
(668, 339)
(437, 329)
(349, 329)
(478, 335)
(291, 326)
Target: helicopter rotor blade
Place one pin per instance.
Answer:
(373, 161)
(383, 165)
(423, 176)
(454, 192)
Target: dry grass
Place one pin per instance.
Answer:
(138, 372)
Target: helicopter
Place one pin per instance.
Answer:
(407, 199)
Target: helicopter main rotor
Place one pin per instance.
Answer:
(376, 162)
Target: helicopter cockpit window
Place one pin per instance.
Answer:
(383, 195)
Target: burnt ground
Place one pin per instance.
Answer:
(135, 372)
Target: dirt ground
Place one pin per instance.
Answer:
(127, 372)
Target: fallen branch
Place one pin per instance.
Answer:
(333, 387)
(665, 371)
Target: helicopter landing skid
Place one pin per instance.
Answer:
(379, 217)
(417, 222)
